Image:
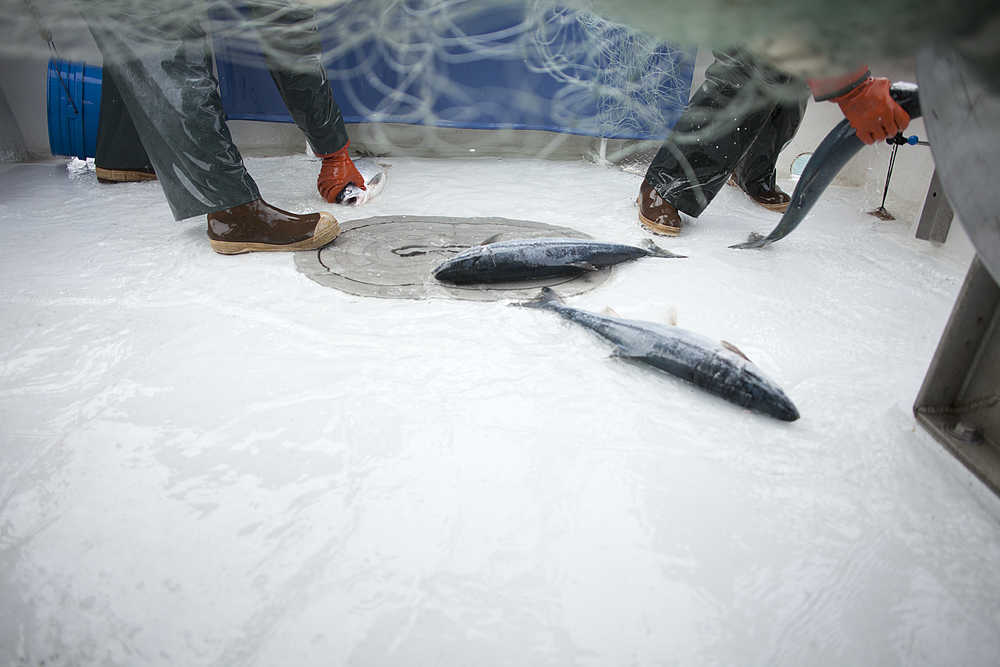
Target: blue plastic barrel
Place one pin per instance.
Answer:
(74, 107)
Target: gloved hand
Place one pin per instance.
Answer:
(872, 112)
(336, 173)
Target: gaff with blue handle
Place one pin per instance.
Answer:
(899, 140)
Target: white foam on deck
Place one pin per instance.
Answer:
(214, 460)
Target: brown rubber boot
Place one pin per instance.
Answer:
(124, 175)
(770, 197)
(655, 214)
(260, 227)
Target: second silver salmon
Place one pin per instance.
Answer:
(528, 259)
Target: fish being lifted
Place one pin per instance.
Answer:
(717, 367)
(530, 259)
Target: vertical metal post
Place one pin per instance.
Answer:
(959, 402)
(936, 217)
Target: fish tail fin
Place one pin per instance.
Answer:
(545, 298)
(654, 250)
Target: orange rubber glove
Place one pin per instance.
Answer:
(872, 112)
(337, 172)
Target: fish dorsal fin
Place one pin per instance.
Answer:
(732, 348)
(492, 239)
(608, 311)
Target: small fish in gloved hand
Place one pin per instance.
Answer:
(337, 173)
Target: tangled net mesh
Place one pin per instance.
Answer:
(503, 65)
(398, 58)
(499, 66)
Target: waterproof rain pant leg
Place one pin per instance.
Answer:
(164, 74)
(738, 120)
(758, 163)
(290, 39)
(118, 143)
(167, 84)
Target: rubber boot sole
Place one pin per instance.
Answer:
(122, 176)
(662, 230)
(777, 208)
(327, 229)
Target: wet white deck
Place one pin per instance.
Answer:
(214, 460)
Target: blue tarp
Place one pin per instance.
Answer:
(561, 71)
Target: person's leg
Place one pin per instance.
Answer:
(755, 174)
(710, 139)
(120, 156)
(291, 42)
(164, 74)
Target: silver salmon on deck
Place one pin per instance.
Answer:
(717, 367)
(528, 259)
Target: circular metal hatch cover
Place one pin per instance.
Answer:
(393, 257)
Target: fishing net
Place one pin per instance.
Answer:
(613, 70)
(433, 63)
